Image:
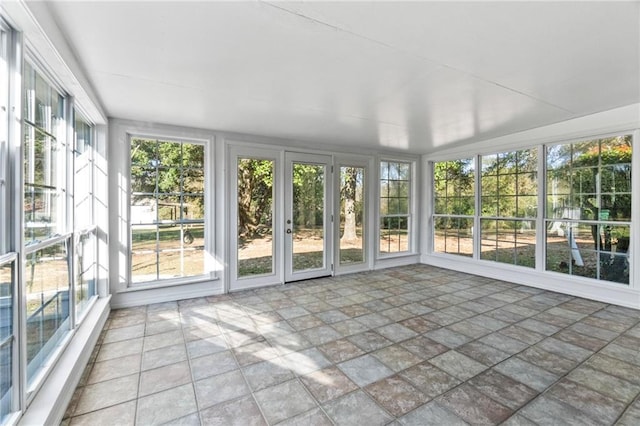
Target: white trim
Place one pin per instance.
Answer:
(634, 248)
(407, 259)
(166, 294)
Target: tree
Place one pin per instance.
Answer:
(349, 177)
(164, 169)
(255, 194)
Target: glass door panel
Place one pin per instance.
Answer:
(255, 216)
(352, 209)
(255, 246)
(308, 186)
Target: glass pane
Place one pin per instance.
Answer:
(507, 206)
(41, 210)
(489, 164)
(527, 206)
(193, 180)
(455, 179)
(86, 269)
(43, 104)
(509, 241)
(488, 239)
(6, 300)
(83, 135)
(615, 207)
(351, 215)
(143, 210)
(527, 184)
(170, 209)
(143, 179)
(143, 252)
(616, 150)
(7, 278)
(193, 208)
(489, 185)
(394, 234)
(255, 217)
(193, 155)
(42, 158)
(171, 260)
(47, 296)
(453, 236)
(167, 182)
(144, 153)
(588, 250)
(170, 154)
(308, 216)
(489, 206)
(506, 184)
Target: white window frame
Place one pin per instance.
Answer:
(209, 215)
(412, 216)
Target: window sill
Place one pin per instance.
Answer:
(174, 282)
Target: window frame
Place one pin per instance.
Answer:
(411, 208)
(499, 216)
(599, 223)
(92, 228)
(368, 226)
(208, 220)
(472, 217)
(32, 384)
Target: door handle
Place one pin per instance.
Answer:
(288, 230)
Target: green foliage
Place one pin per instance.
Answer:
(593, 175)
(454, 187)
(308, 195)
(165, 169)
(255, 194)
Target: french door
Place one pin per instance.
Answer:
(280, 216)
(308, 218)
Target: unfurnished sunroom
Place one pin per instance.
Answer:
(160, 151)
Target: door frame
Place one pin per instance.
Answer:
(366, 162)
(276, 277)
(328, 235)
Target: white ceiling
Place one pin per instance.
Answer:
(415, 76)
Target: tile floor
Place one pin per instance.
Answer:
(406, 346)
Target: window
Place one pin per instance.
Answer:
(588, 212)
(395, 206)
(7, 340)
(167, 216)
(509, 203)
(44, 159)
(85, 241)
(47, 279)
(454, 206)
(7, 259)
